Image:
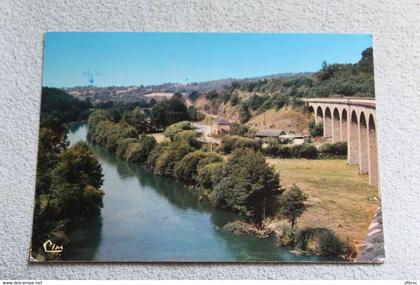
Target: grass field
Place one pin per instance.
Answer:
(340, 198)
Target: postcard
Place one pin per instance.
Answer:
(207, 147)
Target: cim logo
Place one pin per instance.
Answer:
(51, 247)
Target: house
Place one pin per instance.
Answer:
(266, 135)
(220, 126)
(295, 138)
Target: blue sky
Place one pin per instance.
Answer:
(124, 59)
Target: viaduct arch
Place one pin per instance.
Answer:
(352, 121)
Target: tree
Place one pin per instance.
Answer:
(209, 174)
(280, 100)
(137, 119)
(171, 153)
(366, 62)
(169, 111)
(51, 144)
(334, 150)
(316, 130)
(255, 101)
(293, 204)
(244, 114)
(241, 130)
(186, 169)
(327, 71)
(139, 151)
(155, 154)
(122, 146)
(305, 150)
(235, 100)
(98, 116)
(189, 136)
(173, 129)
(108, 133)
(248, 185)
(76, 182)
(229, 143)
(194, 114)
(193, 96)
(117, 131)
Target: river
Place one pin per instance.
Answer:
(152, 218)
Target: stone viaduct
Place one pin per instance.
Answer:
(352, 121)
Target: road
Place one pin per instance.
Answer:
(206, 131)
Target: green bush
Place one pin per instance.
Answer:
(285, 151)
(248, 143)
(316, 130)
(296, 102)
(277, 149)
(167, 112)
(107, 133)
(247, 185)
(284, 234)
(147, 143)
(244, 114)
(320, 241)
(186, 169)
(333, 150)
(132, 153)
(230, 143)
(173, 152)
(76, 181)
(208, 174)
(173, 129)
(189, 136)
(139, 151)
(210, 157)
(227, 143)
(304, 151)
(194, 114)
(235, 100)
(154, 155)
(241, 130)
(116, 132)
(122, 145)
(330, 244)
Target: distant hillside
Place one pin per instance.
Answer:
(129, 94)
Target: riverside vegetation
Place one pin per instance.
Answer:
(242, 182)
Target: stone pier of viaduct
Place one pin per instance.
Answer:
(353, 121)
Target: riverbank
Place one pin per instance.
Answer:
(157, 219)
(244, 184)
